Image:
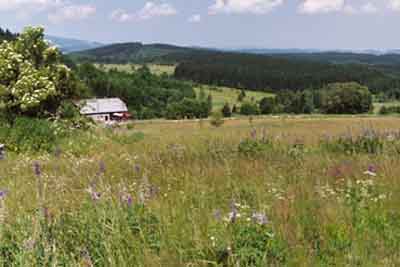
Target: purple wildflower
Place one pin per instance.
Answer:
(259, 218)
(372, 168)
(253, 133)
(96, 196)
(218, 215)
(36, 169)
(137, 168)
(3, 194)
(127, 199)
(102, 167)
(2, 152)
(233, 215)
(93, 193)
(57, 153)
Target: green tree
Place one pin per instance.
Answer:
(33, 80)
(241, 96)
(249, 108)
(347, 98)
(226, 111)
(267, 105)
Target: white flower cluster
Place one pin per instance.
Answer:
(30, 72)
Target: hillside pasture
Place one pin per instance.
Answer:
(276, 191)
(154, 68)
(222, 95)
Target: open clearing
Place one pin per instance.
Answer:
(222, 95)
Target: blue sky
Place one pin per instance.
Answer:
(324, 24)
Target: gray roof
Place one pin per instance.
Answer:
(102, 105)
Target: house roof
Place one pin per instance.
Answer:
(102, 105)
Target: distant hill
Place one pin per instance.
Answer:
(163, 53)
(130, 53)
(68, 45)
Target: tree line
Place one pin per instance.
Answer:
(335, 98)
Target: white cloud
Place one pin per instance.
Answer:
(57, 10)
(369, 8)
(394, 5)
(321, 6)
(327, 6)
(150, 10)
(243, 6)
(121, 15)
(350, 10)
(25, 5)
(195, 18)
(72, 12)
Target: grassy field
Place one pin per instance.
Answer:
(222, 95)
(154, 68)
(266, 192)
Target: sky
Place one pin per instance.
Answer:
(319, 24)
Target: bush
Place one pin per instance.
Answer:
(389, 110)
(254, 146)
(188, 108)
(29, 135)
(226, 111)
(267, 105)
(217, 119)
(249, 108)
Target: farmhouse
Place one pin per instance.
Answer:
(104, 109)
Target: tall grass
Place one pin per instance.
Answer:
(265, 194)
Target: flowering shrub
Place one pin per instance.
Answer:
(33, 80)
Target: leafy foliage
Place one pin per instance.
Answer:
(346, 98)
(147, 95)
(33, 80)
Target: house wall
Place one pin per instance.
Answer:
(100, 117)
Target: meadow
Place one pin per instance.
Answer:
(283, 191)
(154, 68)
(222, 95)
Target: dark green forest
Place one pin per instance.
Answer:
(128, 53)
(265, 73)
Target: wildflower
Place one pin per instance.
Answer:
(29, 244)
(371, 171)
(259, 218)
(218, 215)
(36, 169)
(127, 199)
(253, 134)
(233, 215)
(57, 153)
(93, 194)
(2, 152)
(137, 168)
(3, 194)
(102, 168)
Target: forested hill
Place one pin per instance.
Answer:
(6, 35)
(345, 58)
(129, 53)
(276, 73)
(257, 72)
